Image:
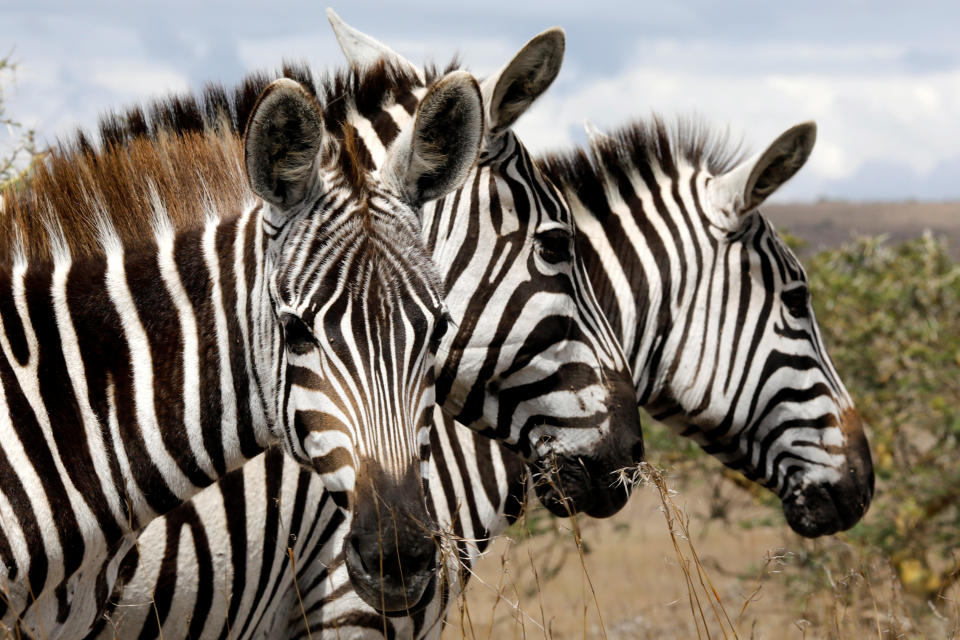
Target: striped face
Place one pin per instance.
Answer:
(715, 315)
(756, 387)
(357, 314)
(529, 359)
(360, 315)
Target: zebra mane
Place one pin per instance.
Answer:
(645, 146)
(176, 161)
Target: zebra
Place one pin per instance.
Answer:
(568, 299)
(713, 309)
(481, 501)
(473, 483)
(680, 259)
(136, 375)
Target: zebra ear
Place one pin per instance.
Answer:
(746, 186)
(511, 91)
(435, 155)
(363, 51)
(594, 135)
(281, 143)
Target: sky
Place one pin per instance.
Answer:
(881, 79)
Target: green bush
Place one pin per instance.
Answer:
(23, 147)
(891, 319)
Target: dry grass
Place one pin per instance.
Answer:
(704, 561)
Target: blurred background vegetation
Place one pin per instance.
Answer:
(22, 146)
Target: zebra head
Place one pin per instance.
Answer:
(530, 359)
(743, 369)
(358, 313)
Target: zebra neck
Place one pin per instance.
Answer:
(634, 277)
(129, 380)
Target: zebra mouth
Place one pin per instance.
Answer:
(825, 506)
(822, 509)
(391, 595)
(568, 486)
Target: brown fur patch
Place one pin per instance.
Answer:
(77, 188)
(184, 152)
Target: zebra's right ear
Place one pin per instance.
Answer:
(745, 187)
(282, 142)
(508, 93)
(435, 154)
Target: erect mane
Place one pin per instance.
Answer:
(642, 146)
(178, 157)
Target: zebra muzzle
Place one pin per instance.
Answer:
(825, 507)
(567, 486)
(390, 553)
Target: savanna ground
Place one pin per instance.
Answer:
(727, 565)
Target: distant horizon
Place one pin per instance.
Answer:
(881, 79)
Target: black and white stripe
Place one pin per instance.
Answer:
(508, 229)
(713, 310)
(222, 561)
(99, 432)
(611, 246)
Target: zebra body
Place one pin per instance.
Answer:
(136, 375)
(56, 529)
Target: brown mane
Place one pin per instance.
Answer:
(182, 155)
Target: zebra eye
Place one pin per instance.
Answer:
(297, 337)
(796, 301)
(554, 245)
(439, 330)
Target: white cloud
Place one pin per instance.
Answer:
(137, 80)
(864, 113)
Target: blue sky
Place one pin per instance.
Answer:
(882, 79)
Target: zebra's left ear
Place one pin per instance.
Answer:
(281, 143)
(743, 188)
(364, 51)
(435, 155)
(511, 91)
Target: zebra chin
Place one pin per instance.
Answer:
(385, 595)
(823, 507)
